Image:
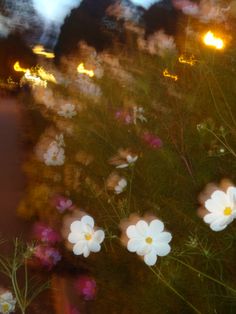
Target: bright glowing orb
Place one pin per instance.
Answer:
(209, 39)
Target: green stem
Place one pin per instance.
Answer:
(203, 274)
(175, 291)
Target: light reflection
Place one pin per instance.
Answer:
(81, 69)
(167, 74)
(209, 39)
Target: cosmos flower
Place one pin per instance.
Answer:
(125, 158)
(7, 303)
(85, 237)
(67, 111)
(116, 183)
(148, 240)
(62, 203)
(221, 209)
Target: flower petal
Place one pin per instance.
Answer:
(231, 193)
(142, 227)
(213, 206)
(156, 226)
(74, 237)
(209, 218)
(164, 237)
(217, 227)
(99, 236)
(143, 249)
(150, 259)
(88, 220)
(133, 245)
(76, 226)
(79, 247)
(86, 251)
(131, 232)
(94, 246)
(220, 197)
(162, 249)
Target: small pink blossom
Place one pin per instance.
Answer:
(152, 140)
(86, 287)
(62, 203)
(45, 233)
(47, 256)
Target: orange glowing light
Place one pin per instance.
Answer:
(209, 39)
(81, 69)
(39, 50)
(167, 74)
(191, 61)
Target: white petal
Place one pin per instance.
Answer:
(94, 246)
(122, 166)
(209, 218)
(216, 227)
(131, 232)
(156, 226)
(79, 247)
(133, 245)
(76, 226)
(231, 192)
(162, 249)
(99, 236)
(150, 259)
(142, 227)
(88, 220)
(164, 237)
(74, 237)
(86, 251)
(213, 206)
(143, 249)
(220, 197)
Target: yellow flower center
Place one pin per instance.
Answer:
(5, 307)
(88, 236)
(149, 240)
(228, 211)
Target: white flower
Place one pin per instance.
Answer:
(222, 208)
(148, 240)
(55, 155)
(121, 185)
(67, 111)
(7, 303)
(84, 237)
(130, 161)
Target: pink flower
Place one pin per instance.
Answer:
(47, 256)
(45, 234)
(152, 140)
(86, 287)
(62, 203)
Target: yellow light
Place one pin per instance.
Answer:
(191, 61)
(18, 68)
(46, 76)
(167, 74)
(36, 76)
(209, 39)
(81, 69)
(39, 50)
